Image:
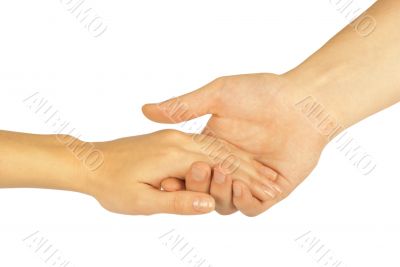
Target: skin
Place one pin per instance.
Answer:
(268, 115)
(212, 181)
(127, 176)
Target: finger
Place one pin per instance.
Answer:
(283, 186)
(244, 201)
(267, 172)
(265, 191)
(241, 166)
(152, 201)
(198, 178)
(221, 191)
(265, 186)
(172, 184)
(260, 186)
(186, 107)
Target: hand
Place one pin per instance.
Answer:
(129, 180)
(203, 178)
(257, 113)
(214, 181)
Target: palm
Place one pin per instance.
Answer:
(257, 113)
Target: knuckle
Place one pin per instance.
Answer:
(252, 183)
(172, 135)
(220, 80)
(225, 81)
(167, 133)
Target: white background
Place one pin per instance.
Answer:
(156, 49)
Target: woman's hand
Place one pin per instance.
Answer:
(124, 175)
(129, 180)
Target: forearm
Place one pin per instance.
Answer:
(38, 161)
(354, 76)
(124, 175)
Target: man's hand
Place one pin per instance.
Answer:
(229, 195)
(259, 114)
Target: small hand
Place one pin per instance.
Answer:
(129, 180)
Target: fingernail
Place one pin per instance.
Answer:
(237, 190)
(269, 173)
(199, 174)
(269, 191)
(219, 177)
(277, 188)
(274, 187)
(202, 204)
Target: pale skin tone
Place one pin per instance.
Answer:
(352, 77)
(127, 179)
(260, 118)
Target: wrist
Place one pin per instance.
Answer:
(319, 92)
(94, 177)
(84, 162)
(67, 171)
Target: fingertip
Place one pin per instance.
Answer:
(146, 108)
(245, 202)
(264, 191)
(151, 112)
(203, 203)
(198, 177)
(200, 171)
(221, 191)
(238, 188)
(219, 176)
(172, 184)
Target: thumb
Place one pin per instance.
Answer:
(173, 184)
(185, 107)
(179, 202)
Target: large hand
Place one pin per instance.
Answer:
(257, 113)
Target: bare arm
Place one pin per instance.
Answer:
(124, 175)
(38, 161)
(354, 75)
(350, 78)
